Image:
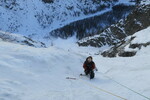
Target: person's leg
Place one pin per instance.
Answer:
(86, 72)
(92, 74)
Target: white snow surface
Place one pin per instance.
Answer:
(145, 2)
(142, 36)
(28, 73)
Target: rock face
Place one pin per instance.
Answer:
(118, 50)
(131, 45)
(15, 38)
(137, 20)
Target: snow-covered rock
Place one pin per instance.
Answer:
(16, 38)
(131, 45)
(137, 20)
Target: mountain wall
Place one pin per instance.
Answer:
(137, 20)
(93, 25)
(36, 19)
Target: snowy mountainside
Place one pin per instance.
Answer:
(40, 74)
(16, 38)
(137, 20)
(131, 45)
(36, 18)
(94, 24)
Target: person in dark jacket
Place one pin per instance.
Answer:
(89, 67)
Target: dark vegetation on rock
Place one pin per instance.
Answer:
(48, 1)
(93, 25)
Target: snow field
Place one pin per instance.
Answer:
(28, 73)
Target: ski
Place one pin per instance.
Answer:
(73, 78)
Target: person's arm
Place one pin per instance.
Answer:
(94, 67)
(84, 65)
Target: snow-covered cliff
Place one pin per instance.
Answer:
(137, 20)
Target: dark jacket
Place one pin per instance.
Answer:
(89, 65)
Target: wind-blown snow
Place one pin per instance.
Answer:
(28, 73)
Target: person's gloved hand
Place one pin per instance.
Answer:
(96, 69)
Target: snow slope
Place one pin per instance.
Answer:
(130, 45)
(142, 36)
(35, 74)
(28, 73)
(16, 38)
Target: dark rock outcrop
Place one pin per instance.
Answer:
(48, 1)
(137, 20)
(119, 49)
